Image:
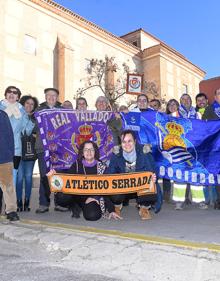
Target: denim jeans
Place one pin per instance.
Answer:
(16, 163)
(25, 174)
(211, 194)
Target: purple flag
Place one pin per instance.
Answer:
(62, 131)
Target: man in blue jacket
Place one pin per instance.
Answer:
(6, 167)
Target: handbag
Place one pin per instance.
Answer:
(28, 147)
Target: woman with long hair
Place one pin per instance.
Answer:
(26, 167)
(93, 207)
(172, 106)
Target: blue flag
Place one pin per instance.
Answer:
(185, 150)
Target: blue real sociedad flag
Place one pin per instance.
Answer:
(185, 150)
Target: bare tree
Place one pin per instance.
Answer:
(102, 74)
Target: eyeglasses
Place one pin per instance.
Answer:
(12, 92)
(89, 150)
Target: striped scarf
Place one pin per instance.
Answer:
(191, 113)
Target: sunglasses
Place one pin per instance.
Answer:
(12, 92)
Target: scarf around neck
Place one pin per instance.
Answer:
(191, 113)
(130, 156)
(86, 164)
(201, 110)
(12, 109)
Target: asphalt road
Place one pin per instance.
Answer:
(31, 262)
(42, 253)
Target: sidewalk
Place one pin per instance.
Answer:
(112, 256)
(191, 224)
(174, 245)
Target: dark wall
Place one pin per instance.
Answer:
(209, 86)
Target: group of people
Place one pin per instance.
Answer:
(200, 194)
(17, 119)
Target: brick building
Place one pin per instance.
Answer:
(209, 86)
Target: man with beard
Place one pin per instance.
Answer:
(201, 103)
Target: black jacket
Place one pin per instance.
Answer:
(209, 114)
(77, 168)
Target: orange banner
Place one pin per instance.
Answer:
(140, 183)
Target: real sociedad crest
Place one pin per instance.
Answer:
(134, 83)
(172, 141)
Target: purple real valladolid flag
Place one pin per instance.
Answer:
(62, 131)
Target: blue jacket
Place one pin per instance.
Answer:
(6, 139)
(18, 126)
(144, 162)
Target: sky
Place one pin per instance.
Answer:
(191, 27)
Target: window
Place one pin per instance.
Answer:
(184, 89)
(30, 45)
(135, 43)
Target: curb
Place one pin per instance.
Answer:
(126, 235)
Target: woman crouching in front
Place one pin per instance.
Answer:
(94, 207)
(132, 158)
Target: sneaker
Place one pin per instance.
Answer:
(145, 213)
(60, 209)
(13, 216)
(42, 209)
(179, 206)
(118, 209)
(203, 206)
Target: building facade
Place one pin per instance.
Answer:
(209, 86)
(46, 45)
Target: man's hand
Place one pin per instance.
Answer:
(117, 115)
(50, 173)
